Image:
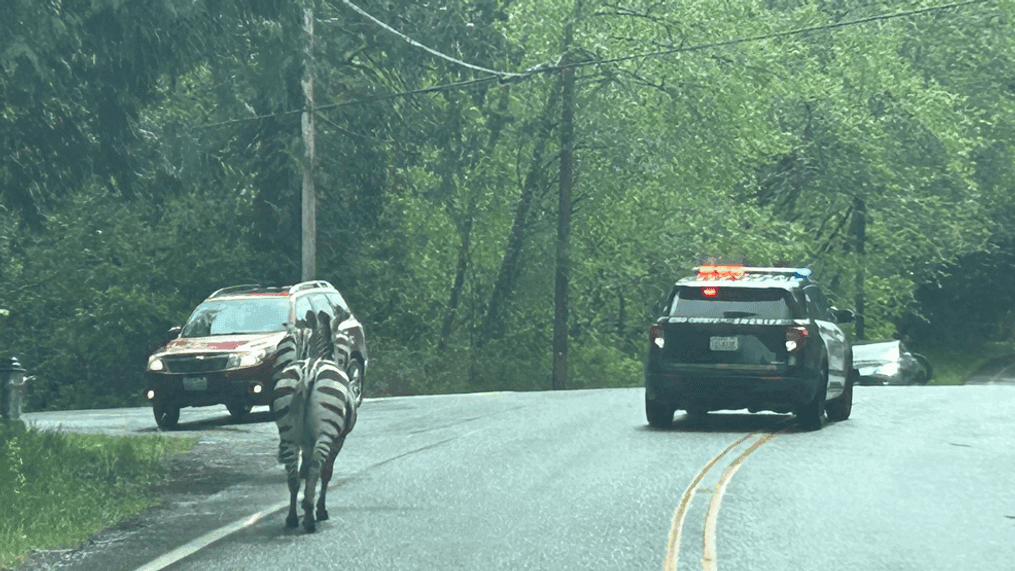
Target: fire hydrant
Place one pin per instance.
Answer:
(12, 388)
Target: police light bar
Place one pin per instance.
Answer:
(732, 272)
(712, 272)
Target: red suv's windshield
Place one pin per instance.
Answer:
(238, 316)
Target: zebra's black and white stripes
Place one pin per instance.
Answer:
(315, 410)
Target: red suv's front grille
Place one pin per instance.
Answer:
(196, 363)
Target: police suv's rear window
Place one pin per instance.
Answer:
(731, 302)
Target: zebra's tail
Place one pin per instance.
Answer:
(331, 410)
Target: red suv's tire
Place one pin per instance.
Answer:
(166, 416)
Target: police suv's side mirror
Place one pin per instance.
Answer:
(842, 315)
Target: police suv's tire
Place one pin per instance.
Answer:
(659, 415)
(167, 417)
(238, 410)
(810, 415)
(696, 413)
(839, 408)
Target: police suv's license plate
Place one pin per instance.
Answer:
(195, 384)
(722, 343)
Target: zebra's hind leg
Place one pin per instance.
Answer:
(326, 472)
(289, 455)
(309, 524)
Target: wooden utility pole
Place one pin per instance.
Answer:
(560, 298)
(309, 194)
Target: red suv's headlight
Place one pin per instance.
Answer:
(246, 359)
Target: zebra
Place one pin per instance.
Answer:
(315, 410)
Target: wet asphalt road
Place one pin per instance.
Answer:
(1000, 371)
(919, 478)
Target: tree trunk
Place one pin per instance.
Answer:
(560, 298)
(465, 222)
(465, 235)
(856, 240)
(493, 322)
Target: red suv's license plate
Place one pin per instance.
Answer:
(195, 384)
(722, 343)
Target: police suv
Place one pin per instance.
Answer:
(735, 337)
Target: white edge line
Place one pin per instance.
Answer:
(207, 539)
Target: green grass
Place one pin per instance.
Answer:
(953, 364)
(60, 488)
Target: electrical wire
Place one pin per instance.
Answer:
(431, 51)
(762, 37)
(505, 77)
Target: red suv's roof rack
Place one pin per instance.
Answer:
(258, 288)
(310, 285)
(235, 289)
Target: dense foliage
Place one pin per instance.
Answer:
(150, 152)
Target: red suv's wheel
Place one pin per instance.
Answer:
(355, 373)
(166, 416)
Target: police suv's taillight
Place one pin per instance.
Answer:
(655, 336)
(796, 338)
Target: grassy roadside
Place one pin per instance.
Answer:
(60, 488)
(954, 364)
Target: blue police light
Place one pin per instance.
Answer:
(802, 273)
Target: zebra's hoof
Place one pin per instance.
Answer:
(291, 522)
(309, 526)
(322, 515)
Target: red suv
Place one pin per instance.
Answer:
(225, 352)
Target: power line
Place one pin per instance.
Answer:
(796, 32)
(421, 91)
(539, 69)
(431, 51)
(505, 77)
(380, 97)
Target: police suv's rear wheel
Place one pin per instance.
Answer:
(167, 416)
(659, 415)
(840, 407)
(809, 416)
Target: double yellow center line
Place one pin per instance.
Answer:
(708, 559)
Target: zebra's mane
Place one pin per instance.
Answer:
(307, 341)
